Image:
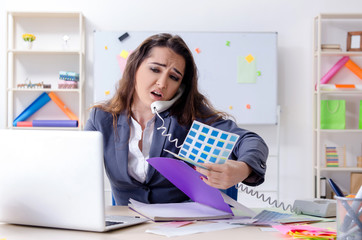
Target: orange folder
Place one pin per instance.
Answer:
(62, 106)
(354, 68)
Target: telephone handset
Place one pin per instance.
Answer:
(160, 106)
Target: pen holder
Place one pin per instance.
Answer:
(349, 218)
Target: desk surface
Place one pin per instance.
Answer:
(16, 232)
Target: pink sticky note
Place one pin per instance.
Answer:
(286, 228)
(176, 224)
(121, 62)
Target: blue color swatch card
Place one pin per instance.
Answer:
(205, 144)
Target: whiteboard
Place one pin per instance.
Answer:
(237, 70)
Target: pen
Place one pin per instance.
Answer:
(351, 214)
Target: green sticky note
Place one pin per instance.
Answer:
(247, 72)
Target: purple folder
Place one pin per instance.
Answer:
(55, 123)
(188, 180)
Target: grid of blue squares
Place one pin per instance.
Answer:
(204, 143)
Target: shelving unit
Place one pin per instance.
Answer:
(48, 56)
(333, 29)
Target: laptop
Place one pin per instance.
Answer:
(53, 178)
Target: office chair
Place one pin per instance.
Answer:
(231, 192)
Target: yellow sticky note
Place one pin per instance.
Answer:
(230, 107)
(105, 47)
(105, 93)
(124, 54)
(249, 58)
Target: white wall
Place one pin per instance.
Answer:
(292, 19)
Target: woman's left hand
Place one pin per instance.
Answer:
(223, 176)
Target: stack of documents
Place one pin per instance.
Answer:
(208, 203)
(186, 211)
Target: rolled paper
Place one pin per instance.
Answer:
(32, 108)
(24, 124)
(345, 85)
(354, 68)
(55, 123)
(334, 70)
(62, 106)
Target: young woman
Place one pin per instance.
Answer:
(156, 71)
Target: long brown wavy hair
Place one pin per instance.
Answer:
(192, 103)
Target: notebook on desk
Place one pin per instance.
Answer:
(54, 179)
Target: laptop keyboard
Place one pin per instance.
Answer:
(270, 216)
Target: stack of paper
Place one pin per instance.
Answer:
(208, 201)
(185, 211)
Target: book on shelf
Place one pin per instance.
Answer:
(331, 46)
(331, 49)
(323, 187)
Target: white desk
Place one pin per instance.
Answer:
(16, 232)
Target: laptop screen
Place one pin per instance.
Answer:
(52, 178)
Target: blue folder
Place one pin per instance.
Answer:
(32, 108)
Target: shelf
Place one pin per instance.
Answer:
(333, 28)
(46, 14)
(340, 16)
(341, 92)
(18, 51)
(351, 54)
(44, 90)
(45, 128)
(347, 92)
(340, 169)
(339, 130)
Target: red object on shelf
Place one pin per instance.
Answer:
(24, 124)
(345, 86)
